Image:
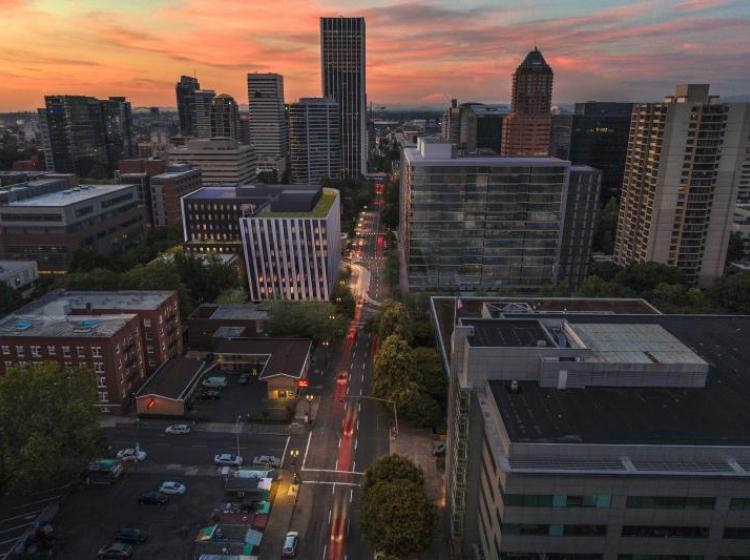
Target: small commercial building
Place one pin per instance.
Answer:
(207, 318)
(281, 363)
(167, 391)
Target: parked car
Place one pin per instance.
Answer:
(215, 382)
(209, 394)
(131, 535)
(131, 455)
(172, 487)
(243, 379)
(152, 497)
(290, 544)
(228, 459)
(178, 429)
(268, 461)
(115, 550)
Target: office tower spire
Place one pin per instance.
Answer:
(526, 130)
(342, 56)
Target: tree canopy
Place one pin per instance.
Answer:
(48, 424)
(732, 292)
(317, 320)
(392, 468)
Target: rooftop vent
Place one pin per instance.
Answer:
(23, 325)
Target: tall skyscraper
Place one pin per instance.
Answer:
(185, 90)
(85, 135)
(202, 109)
(268, 126)
(342, 57)
(314, 140)
(682, 170)
(526, 130)
(450, 128)
(225, 117)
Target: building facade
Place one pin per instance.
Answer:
(480, 223)
(314, 140)
(344, 79)
(203, 103)
(19, 275)
(611, 433)
(221, 160)
(579, 223)
(450, 126)
(167, 190)
(85, 135)
(292, 245)
(683, 166)
(121, 336)
(268, 122)
(526, 130)
(139, 172)
(185, 91)
(50, 225)
(225, 117)
(208, 318)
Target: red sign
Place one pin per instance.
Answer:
(303, 383)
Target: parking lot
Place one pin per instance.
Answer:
(234, 400)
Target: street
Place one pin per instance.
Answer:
(351, 429)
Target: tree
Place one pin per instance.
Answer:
(732, 292)
(96, 279)
(232, 295)
(393, 375)
(49, 425)
(421, 411)
(343, 297)
(393, 319)
(606, 224)
(736, 248)
(644, 277)
(10, 299)
(397, 517)
(317, 320)
(392, 468)
(594, 287)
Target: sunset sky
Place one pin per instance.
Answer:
(417, 53)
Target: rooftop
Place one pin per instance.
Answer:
(515, 333)
(70, 196)
(8, 268)
(286, 356)
(443, 157)
(57, 301)
(717, 414)
(232, 311)
(320, 210)
(174, 379)
(61, 325)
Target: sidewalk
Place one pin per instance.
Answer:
(226, 427)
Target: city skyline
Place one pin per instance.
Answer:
(612, 51)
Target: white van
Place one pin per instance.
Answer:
(215, 382)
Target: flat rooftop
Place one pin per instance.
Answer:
(70, 196)
(231, 311)
(63, 326)
(213, 193)
(286, 356)
(415, 157)
(8, 268)
(718, 414)
(512, 333)
(174, 379)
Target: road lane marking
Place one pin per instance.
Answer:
(332, 471)
(324, 482)
(283, 455)
(337, 464)
(307, 448)
(355, 445)
(354, 465)
(351, 495)
(357, 424)
(360, 391)
(339, 443)
(364, 365)
(330, 513)
(325, 549)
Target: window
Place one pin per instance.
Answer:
(98, 367)
(51, 349)
(81, 351)
(96, 351)
(66, 351)
(8, 364)
(668, 502)
(19, 351)
(36, 351)
(649, 531)
(740, 503)
(21, 364)
(557, 500)
(6, 349)
(554, 530)
(659, 557)
(103, 397)
(737, 533)
(101, 382)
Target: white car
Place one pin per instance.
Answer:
(178, 429)
(228, 459)
(267, 461)
(131, 455)
(173, 488)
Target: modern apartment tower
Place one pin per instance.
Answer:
(268, 124)
(85, 135)
(292, 244)
(526, 130)
(482, 223)
(342, 57)
(185, 91)
(314, 140)
(225, 117)
(682, 170)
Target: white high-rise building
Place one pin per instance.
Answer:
(221, 160)
(268, 128)
(314, 140)
(342, 58)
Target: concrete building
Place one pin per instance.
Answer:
(526, 130)
(474, 128)
(208, 318)
(594, 429)
(121, 336)
(221, 160)
(85, 135)
(185, 91)
(683, 166)
(343, 71)
(225, 117)
(167, 190)
(483, 223)
(50, 222)
(292, 245)
(268, 122)
(314, 140)
(450, 126)
(203, 102)
(579, 223)
(19, 275)
(139, 172)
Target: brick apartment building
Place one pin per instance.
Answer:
(122, 336)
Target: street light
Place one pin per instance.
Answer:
(294, 453)
(309, 398)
